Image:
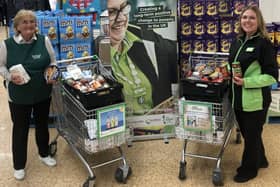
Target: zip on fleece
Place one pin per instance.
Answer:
(235, 58)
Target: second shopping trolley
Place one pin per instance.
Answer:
(205, 114)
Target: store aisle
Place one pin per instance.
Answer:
(153, 162)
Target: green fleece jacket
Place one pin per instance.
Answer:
(260, 70)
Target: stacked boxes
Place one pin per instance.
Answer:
(276, 31)
(275, 104)
(71, 36)
(199, 26)
(209, 25)
(227, 33)
(76, 36)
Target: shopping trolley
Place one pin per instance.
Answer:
(204, 122)
(89, 130)
(205, 113)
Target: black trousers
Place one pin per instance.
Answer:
(251, 128)
(21, 115)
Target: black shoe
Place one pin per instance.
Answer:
(243, 178)
(264, 165)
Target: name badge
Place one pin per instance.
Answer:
(36, 56)
(250, 49)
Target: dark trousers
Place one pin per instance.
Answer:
(21, 115)
(251, 127)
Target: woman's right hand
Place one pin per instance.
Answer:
(239, 81)
(17, 79)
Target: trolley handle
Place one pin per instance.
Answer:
(210, 53)
(75, 60)
(201, 85)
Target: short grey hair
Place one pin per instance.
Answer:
(21, 15)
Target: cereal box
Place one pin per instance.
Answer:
(67, 51)
(83, 49)
(49, 28)
(83, 28)
(67, 29)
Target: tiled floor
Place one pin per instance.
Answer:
(153, 162)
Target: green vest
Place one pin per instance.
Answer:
(138, 97)
(35, 58)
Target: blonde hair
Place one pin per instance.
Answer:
(20, 16)
(260, 21)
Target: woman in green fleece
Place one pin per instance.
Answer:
(34, 53)
(250, 90)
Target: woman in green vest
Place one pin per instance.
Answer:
(29, 93)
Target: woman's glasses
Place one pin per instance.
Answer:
(114, 13)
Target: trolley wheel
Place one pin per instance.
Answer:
(90, 182)
(238, 138)
(182, 170)
(120, 175)
(53, 148)
(217, 177)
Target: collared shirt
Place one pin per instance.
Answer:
(137, 88)
(4, 72)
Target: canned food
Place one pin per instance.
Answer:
(236, 69)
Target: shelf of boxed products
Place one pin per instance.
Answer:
(72, 36)
(273, 115)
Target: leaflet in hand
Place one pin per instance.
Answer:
(19, 70)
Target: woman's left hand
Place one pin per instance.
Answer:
(238, 81)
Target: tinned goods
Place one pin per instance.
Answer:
(236, 69)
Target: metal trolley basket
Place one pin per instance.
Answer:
(209, 120)
(213, 125)
(84, 129)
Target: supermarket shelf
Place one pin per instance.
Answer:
(273, 117)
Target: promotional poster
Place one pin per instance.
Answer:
(143, 38)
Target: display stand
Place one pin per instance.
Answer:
(158, 123)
